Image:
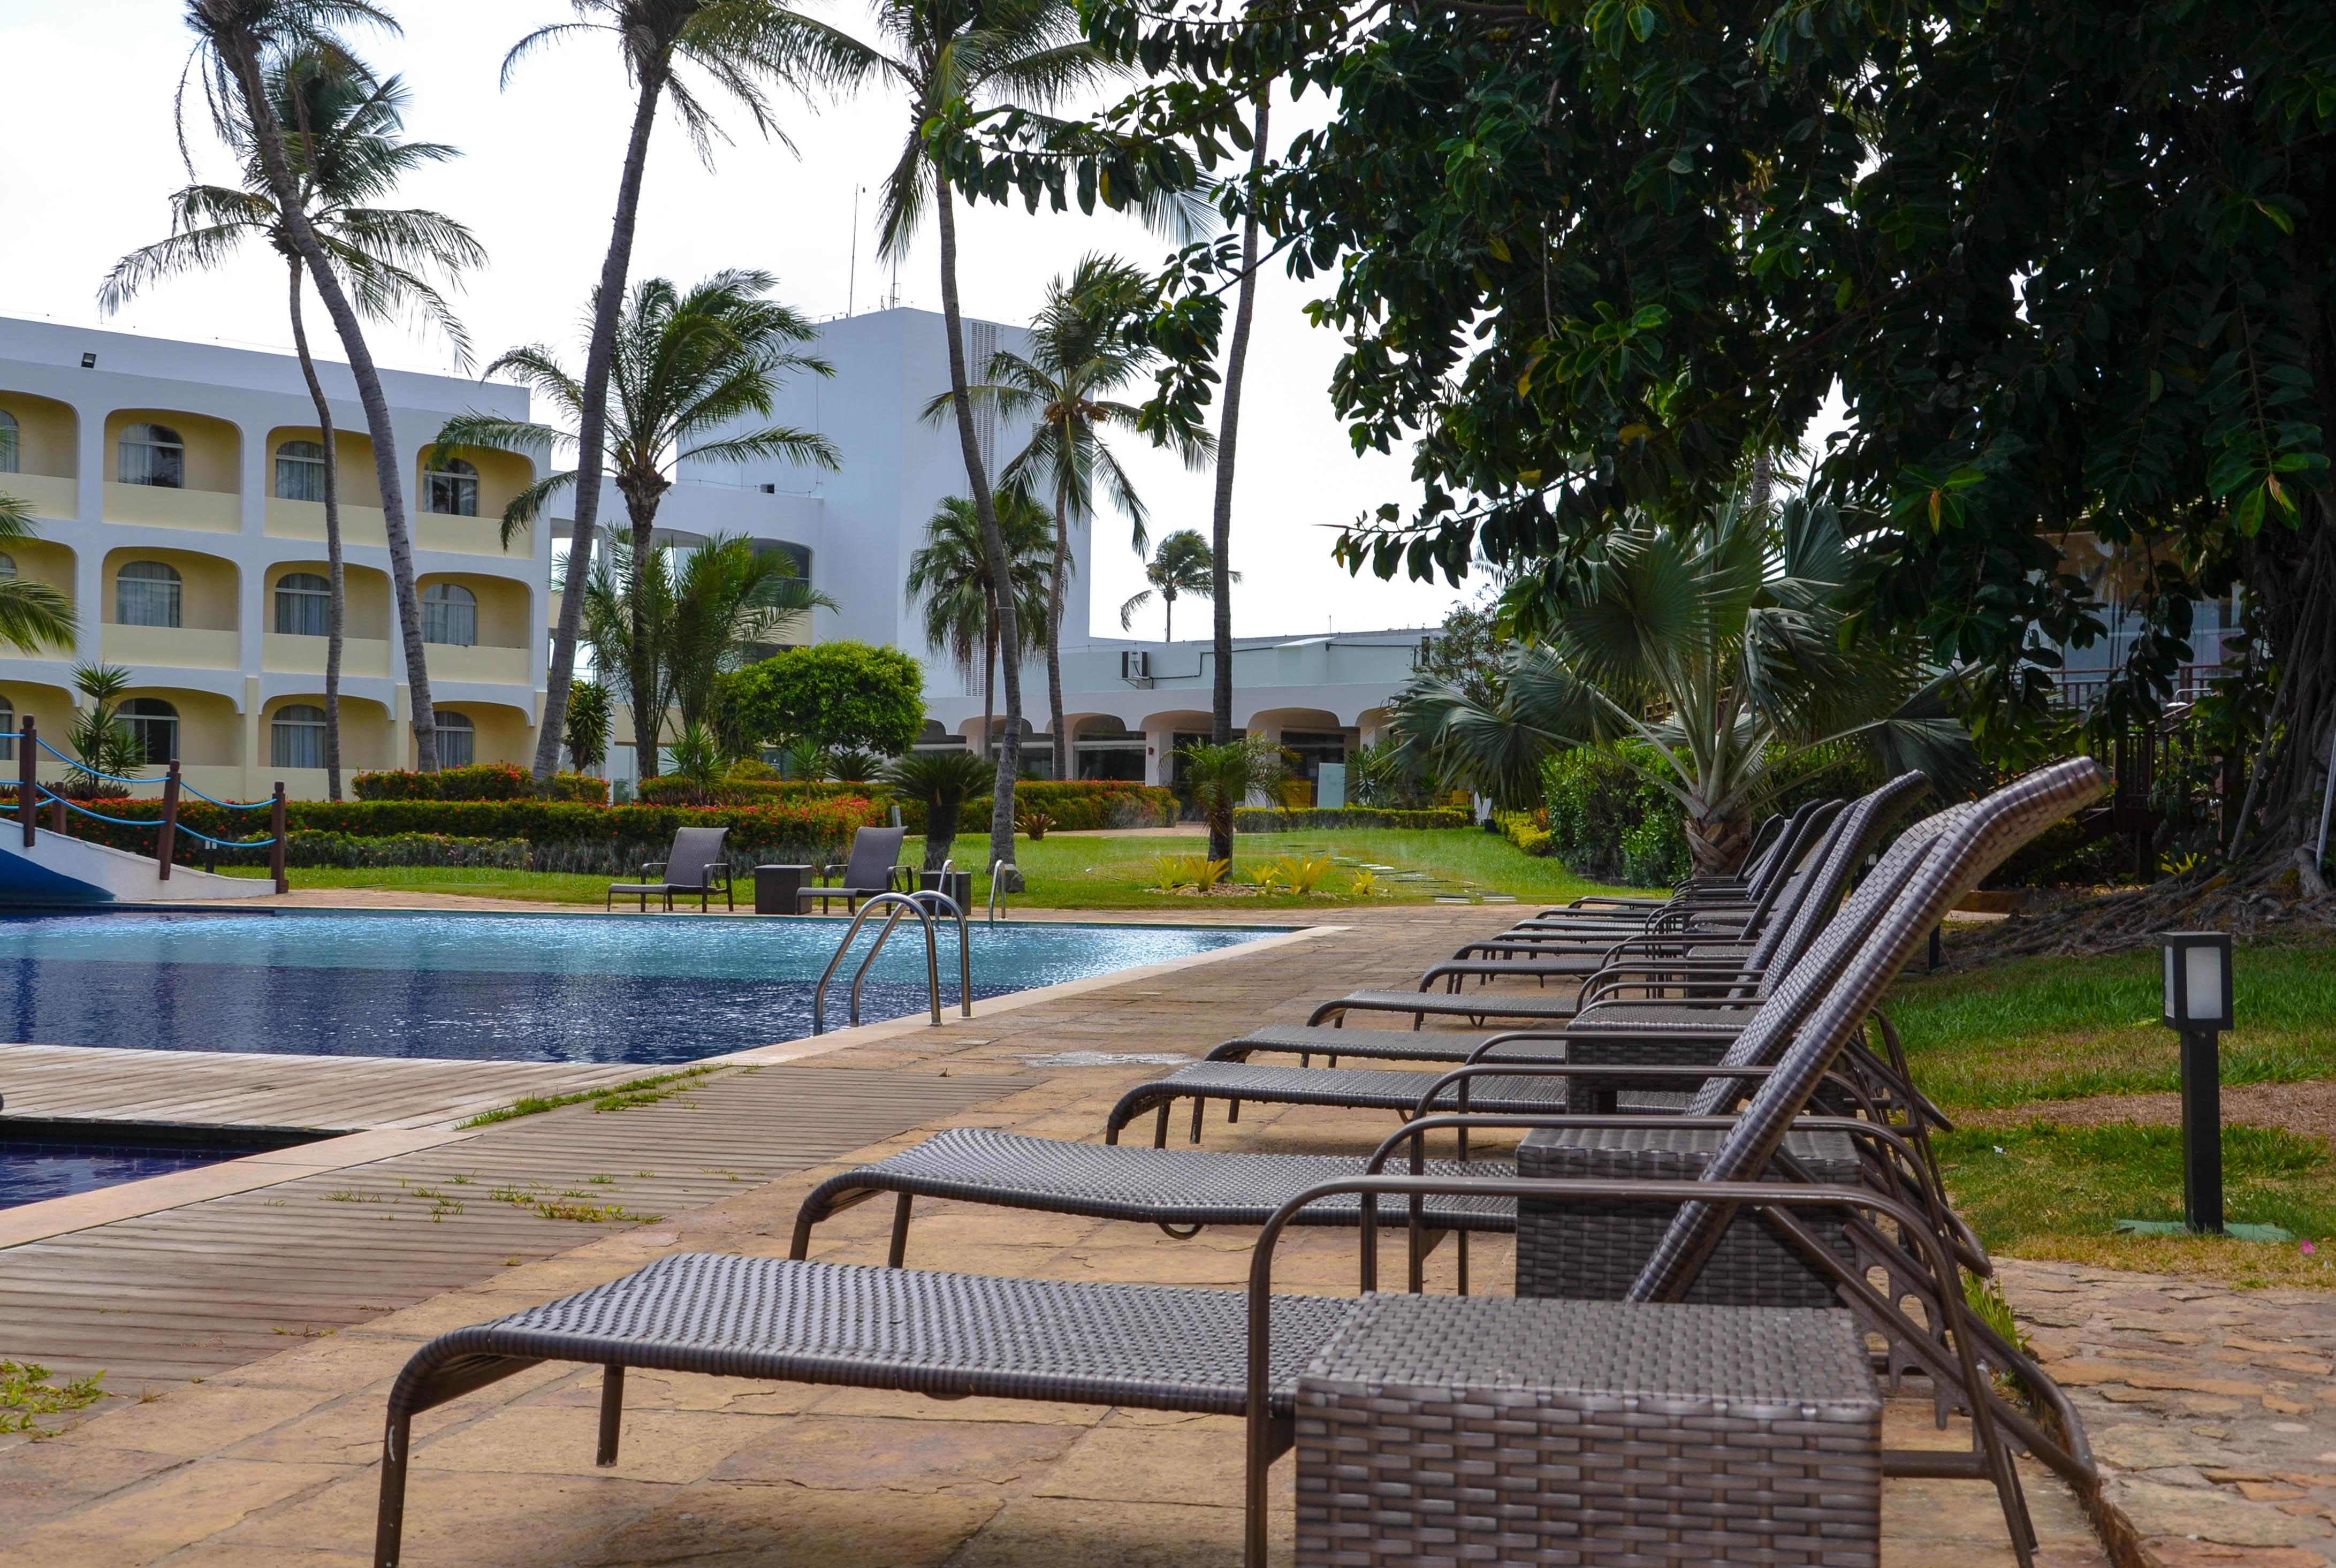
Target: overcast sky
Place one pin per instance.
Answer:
(86, 94)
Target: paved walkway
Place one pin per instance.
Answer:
(270, 1463)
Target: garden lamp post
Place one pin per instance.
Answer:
(2198, 1005)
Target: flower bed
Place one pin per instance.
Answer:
(1074, 805)
(486, 781)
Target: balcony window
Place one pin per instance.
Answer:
(300, 471)
(458, 739)
(8, 567)
(8, 442)
(304, 605)
(151, 454)
(296, 738)
(153, 725)
(452, 487)
(449, 614)
(147, 593)
(7, 730)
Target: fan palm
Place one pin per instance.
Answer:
(33, 614)
(686, 367)
(1726, 647)
(235, 42)
(1221, 777)
(941, 782)
(344, 141)
(697, 615)
(736, 46)
(950, 572)
(1183, 564)
(1081, 352)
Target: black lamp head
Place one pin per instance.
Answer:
(2198, 980)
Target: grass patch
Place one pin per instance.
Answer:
(26, 1394)
(2060, 1029)
(2050, 1191)
(621, 1096)
(570, 1205)
(462, 882)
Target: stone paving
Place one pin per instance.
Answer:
(273, 1463)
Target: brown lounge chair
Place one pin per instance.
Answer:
(695, 864)
(873, 869)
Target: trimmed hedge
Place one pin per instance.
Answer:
(673, 790)
(327, 849)
(486, 781)
(1075, 806)
(1266, 820)
(560, 835)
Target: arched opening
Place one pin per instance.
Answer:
(7, 565)
(458, 739)
(295, 736)
(7, 728)
(449, 614)
(451, 486)
(153, 725)
(304, 605)
(11, 439)
(147, 593)
(151, 454)
(300, 471)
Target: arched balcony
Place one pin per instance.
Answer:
(477, 629)
(167, 468)
(295, 481)
(169, 607)
(39, 560)
(297, 611)
(478, 732)
(38, 441)
(458, 502)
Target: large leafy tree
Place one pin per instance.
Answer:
(949, 573)
(343, 137)
(691, 372)
(673, 51)
(236, 41)
(1081, 353)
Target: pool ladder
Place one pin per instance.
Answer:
(925, 903)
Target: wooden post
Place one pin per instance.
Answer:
(276, 849)
(166, 837)
(28, 774)
(57, 816)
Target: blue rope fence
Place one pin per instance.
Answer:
(116, 778)
(40, 794)
(51, 795)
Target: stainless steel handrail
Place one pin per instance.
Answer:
(900, 904)
(964, 946)
(993, 889)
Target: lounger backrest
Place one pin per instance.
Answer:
(694, 850)
(1798, 845)
(875, 853)
(1855, 834)
(1763, 844)
(1963, 855)
(1759, 869)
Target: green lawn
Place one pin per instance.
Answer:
(1097, 871)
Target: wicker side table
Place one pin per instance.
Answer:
(1435, 1431)
(1594, 1251)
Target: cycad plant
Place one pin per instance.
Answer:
(1184, 564)
(1083, 350)
(1731, 647)
(1221, 777)
(98, 738)
(33, 614)
(949, 572)
(941, 782)
(689, 368)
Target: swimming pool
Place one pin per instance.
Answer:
(41, 1159)
(503, 987)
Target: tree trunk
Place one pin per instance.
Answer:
(1715, 845)
(1228, 445)
(337, 603)
(1168, 623)
(1055, 642)
(267, 137)
(642, 674)
(993, 545)
(2291, 572)
(592, 429)
(989, 681)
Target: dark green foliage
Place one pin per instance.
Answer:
(486, 781)
(747, 792)
(308, 848)
(1607, 822)
(1074, 805)
(834, 693)
(941, 782)
(590, 719)
(1266, 820)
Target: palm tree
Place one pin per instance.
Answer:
(33, 614)
(734, 44)
(1183, 564)
(684, 368)
(346, 150)
(1229, 440)
(234, 40)
(1221, 777)
(1081, 352)
(1726, 647)
(950, 572)
(949, 56)
(663, 631)
(941, 782)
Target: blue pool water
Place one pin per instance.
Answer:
(523, 987)
(31, 1171)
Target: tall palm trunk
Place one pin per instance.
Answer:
(336, 604)
(1168, 618)
(641, 675)
(1221, 836)
(592, 430)
(1055, 635)
(988, 680)
(993, 546)
(268, 136)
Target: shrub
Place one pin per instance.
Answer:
(329, 849)
(1198, 873)
(590, 788)
(1606, 821)
(1529, 831)
(1266, 820)
(673, 790)
(486, 781)
(834, 695)
(1071, 805)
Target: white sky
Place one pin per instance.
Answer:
(86, 92)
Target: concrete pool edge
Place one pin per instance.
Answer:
(53, 1217)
